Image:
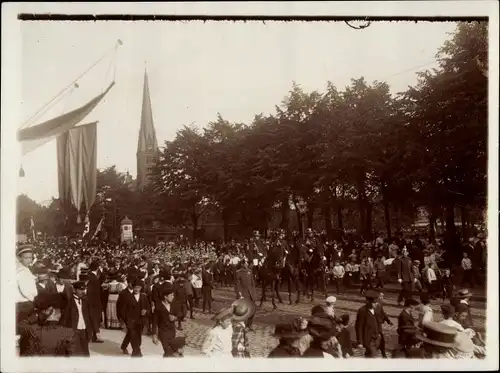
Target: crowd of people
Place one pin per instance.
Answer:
(68, 291)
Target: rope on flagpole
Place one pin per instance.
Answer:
(74, 83)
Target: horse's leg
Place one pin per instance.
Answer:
(273, 284)
(311, 281)
(277, 288)
(298, 285)
(263, 296)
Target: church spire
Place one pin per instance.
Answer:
(147, 147)
(147, 134)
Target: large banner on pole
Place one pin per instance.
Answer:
(77, 166)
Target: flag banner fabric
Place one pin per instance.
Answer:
(98, 229)
(36, 136)
(89, 164)
(77, 166)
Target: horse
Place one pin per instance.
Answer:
(291, 272)
(270, 275)
(315, 269)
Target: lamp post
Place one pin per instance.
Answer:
(114, 215)
(302, 210)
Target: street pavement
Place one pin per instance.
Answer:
(261, 341)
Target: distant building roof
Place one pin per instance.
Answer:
(126, 221)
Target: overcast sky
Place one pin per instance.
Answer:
(197, 69)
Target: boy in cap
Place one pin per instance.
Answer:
(26, 283)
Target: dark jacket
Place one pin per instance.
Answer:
(367, 326)
(50, 287)
(129, 309)
(207, 278)
(406, 329)
(69, 316)
(161, 322)
(245, 284)
(94, 300)
(404, 270)
(283, 350)
(49, 339)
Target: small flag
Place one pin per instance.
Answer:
(87, 226)
(32, 227)
(99, 227)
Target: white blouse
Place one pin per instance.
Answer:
(218, 342)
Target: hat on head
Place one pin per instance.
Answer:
(321, 327)
(372, 295)
(416, 261)
(41, 270)
(464, 293)
(94, 265)
(331, 299)
(166, 289)
(243, 309)
(79, 285)
(64, 273)
(448, 309)
(46, 300)
(24, 248)
(409, 302)
(438, 334)
(289, 331)
(137, 282)
(223, 314)
(318, 310)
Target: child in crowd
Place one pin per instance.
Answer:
(344, 336)
(338, 276)
(446, 285)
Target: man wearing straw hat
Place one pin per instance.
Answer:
(441, 341)
(26, 283)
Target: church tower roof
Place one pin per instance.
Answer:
(147, 134)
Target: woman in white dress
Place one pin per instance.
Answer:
(218, 341)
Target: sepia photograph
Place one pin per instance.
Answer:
(230, 186)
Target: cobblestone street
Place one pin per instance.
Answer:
(261, 341)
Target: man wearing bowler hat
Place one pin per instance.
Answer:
(77, 316)
(368, 326)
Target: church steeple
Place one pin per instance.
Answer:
(147, 146)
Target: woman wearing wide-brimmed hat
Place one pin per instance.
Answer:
(322, 329)
(441, 341)
(243, 309)
(218, 341)
(289, 336)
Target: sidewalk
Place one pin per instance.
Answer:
(113, 339)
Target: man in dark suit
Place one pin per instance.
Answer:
(405, 275)
(382, 318)
(406, 327)
(206, 288)
(133, 308)
(44, 284)
(94, 299)
(76, 316)
(63, 284)
(245, 287)
(367, 325)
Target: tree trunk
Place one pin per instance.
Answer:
(285, 214)
(340, 222)
(299, 218)
(194, 222)
(368, 224)
(387, 211)
(432, 224)
(327, 211)
(451, 230)
(463, 218)
(225, 219)
(310, 215)
(361, 202)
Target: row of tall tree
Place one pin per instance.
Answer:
(357, 147)
(356, 151)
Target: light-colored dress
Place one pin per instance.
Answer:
(218, 342)
(114, 288)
